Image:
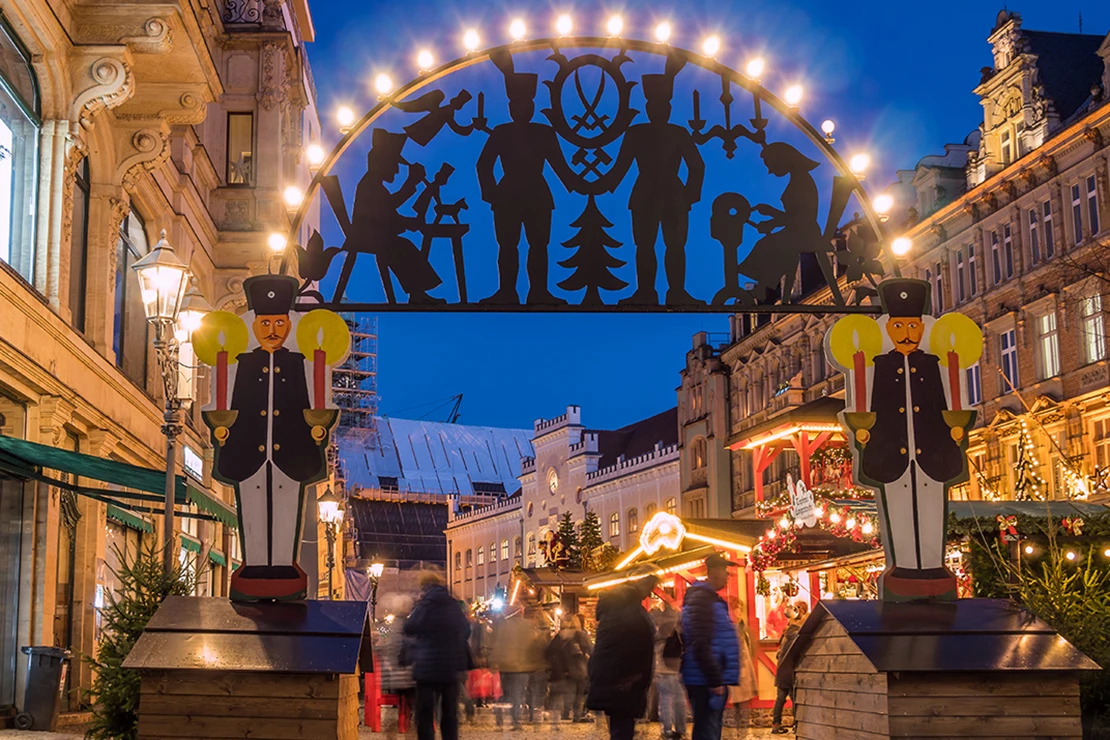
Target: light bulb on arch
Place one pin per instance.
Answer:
(663, 32)
(755, 68)
(615, 25)
(711, 45)
(471, 40)
(517, 29)
(564, 25)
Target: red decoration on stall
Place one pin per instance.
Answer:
(1073, 525)
(1007, 528)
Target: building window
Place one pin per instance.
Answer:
(1101, 437)
(458, 561)
(961, 277)
(518, 548)
(504, 549)
(481, 556)
(614, 525)
(974, 386)
(19, 154)
(130, 328)
(1034, 237)
(469, 558)
(240, 148)
(671, 506)
(79, 246)
(1008, 251)
(697, 454)
(938, 290)
(493, 552)
(1007, 148)
(633, 521)
(1049, 346)
(972, 277)
(1008, 344)
(1092, 204)
(1047, 230)
(1094, 331)
(1076, 214)
(531, 549)
(996, 258)
(649, 512)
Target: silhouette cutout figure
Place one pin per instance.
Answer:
(522, 199)
(731, 213)
(659, 198)
(376, 225)
(792, 230)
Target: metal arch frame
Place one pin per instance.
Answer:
(622, 45)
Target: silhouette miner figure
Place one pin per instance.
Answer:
(659, 197)
(522, 198)
(376, 226)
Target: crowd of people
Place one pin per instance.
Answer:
(696, 657)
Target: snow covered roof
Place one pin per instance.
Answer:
(437, 458)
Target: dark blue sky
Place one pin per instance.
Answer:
(896, 78)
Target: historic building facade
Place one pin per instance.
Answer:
(1010, 227)
(119, 121)
(623, 475)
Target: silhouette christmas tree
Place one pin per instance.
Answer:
(591, 260)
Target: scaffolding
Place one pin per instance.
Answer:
(355, 391)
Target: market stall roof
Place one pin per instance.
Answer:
(817, 416)
(433, 458)
(1057, 509)
(950, 636)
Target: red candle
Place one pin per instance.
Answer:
(859, 375)
(221, 380)
(954, 379)
(318, 378)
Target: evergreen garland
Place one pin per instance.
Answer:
(115, 691)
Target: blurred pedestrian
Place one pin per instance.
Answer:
(742, 694)
(711, 652)
(513, 657)
(668, 658)
(537, 679)
(620, 668)
(438, 651)
(567, 658)
(392, 654)
(784, 677)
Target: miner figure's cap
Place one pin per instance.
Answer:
(271, 295)
(904, 298)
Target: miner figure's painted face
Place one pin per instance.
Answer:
(271, 330)
(905, 332)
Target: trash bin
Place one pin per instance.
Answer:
(46, 678)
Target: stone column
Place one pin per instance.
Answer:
(51, 258)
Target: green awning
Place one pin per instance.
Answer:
(208, 503)
(127, 519)
(217, 557)
(28, 460)
(235, 566)
(190, 543)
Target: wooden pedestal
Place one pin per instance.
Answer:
(213, 669)
(976, 668)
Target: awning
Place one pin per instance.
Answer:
(190, 543)
(208, 503)
(217, 557)
(127, 519)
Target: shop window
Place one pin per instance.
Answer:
(671, 506)
(240, 148)
(130, 338)
(1094, 329)
(1008, 344)
(1048, 344)
(1076, 214)
(79, 246)
(19, 154)
(1092, 204)
(614, 525)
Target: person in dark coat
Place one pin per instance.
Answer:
(620, 668)
(711, 654)
(438, 651)
(784, 678)
(567, 658)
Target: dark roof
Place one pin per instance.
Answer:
(1068, 65)
(638, 438)
(1058, 509)
(946, 636)
(399, 530)
(283, 637)
(819, 410)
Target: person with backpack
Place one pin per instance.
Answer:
(668, 657)
(711, 652)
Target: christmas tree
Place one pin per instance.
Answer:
(590, 541)
(569, 539)
(1028, 485)
(591, 261)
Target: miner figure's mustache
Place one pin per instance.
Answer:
(906, 341)
(274, 337)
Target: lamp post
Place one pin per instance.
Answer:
(331, 514)
(163, 278)
(375, 572)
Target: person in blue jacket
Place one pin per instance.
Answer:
(711, 653)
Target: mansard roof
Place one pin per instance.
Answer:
(638, 438)
(1067, 64)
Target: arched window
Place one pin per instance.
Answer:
(633, 519)
(469, 558)
(649, 512)
(697, 454)
(493, 552)
(458, 561)
(614, 525)
(671, 506)
(481, 556)
(129, 337)
(505, 549)
(518, 550)
(20, 116)
(531, 549)
(79, 246)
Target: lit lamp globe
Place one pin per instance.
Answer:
(883, 203)
(193, 310)
(162, 282)
(315, 155)
(901, 246)
(375, 570)
(328, 504)
(293, 196)
(276, 242)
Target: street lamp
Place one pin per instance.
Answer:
(331, 514)
(375, 572)
(163, 279)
